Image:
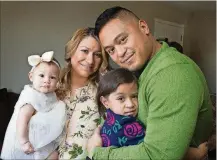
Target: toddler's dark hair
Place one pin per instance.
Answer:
(109, 83)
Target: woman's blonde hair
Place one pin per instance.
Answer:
(65, 77)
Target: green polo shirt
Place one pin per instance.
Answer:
(174, 105)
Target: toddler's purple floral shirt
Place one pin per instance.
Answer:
(119, 130)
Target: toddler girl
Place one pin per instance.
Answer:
(118, 89)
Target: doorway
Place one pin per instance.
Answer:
(172, 31)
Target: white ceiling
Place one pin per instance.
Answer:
(192, 6)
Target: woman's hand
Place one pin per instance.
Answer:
(94, 141)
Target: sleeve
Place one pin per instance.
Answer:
(27, 98)
(174, 96)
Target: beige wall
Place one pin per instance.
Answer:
(34, 27)
(203, 44)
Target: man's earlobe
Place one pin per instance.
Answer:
(144, 27)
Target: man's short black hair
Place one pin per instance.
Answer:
(109, 14)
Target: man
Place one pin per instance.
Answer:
(174, 102)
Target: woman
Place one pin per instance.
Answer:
(85, 60)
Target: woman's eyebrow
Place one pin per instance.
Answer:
(84, 47)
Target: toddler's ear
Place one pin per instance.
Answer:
(30, 76)
(104, 101)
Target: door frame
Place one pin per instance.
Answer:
(171, 24)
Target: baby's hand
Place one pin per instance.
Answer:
(27, 147)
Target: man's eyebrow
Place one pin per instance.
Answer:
(118, 36)
(115, 40)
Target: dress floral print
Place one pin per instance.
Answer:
(82, 119)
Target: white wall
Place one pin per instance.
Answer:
(203, 44)
(34, 27)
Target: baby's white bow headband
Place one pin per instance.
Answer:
(34, 60)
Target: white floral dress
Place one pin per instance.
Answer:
(83, 118)
(45, 127)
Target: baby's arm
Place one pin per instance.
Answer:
(199, 153)
(24, 116)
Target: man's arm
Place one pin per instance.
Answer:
(174, 96)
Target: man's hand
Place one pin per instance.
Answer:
(203, 151)
(200, 153)
(94, 141)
